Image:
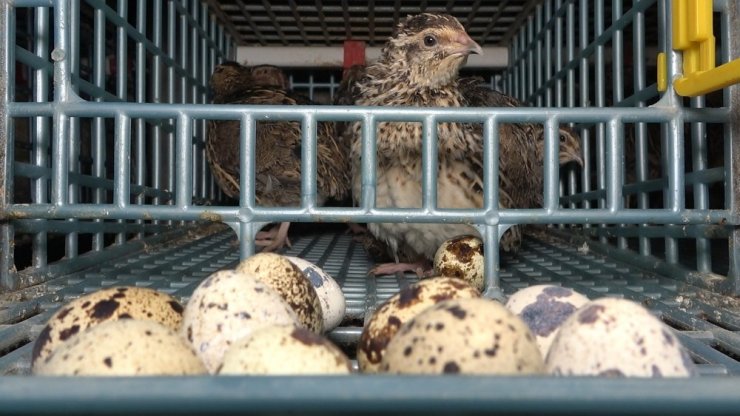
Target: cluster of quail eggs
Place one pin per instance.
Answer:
(442, 325)
(267, 316)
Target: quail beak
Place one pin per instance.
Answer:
(567, 158)
(467, 45)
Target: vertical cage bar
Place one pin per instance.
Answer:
(308, 161)
(72, 248)
(641, 137)
(99, 137)
(701, 191)
(538, 62)
(429, 165)
(171, 89)
(194, 96)
(617, 94)
(490, 232)
(673, 135)
(183, 41)
(570, 36)
(156, 94)
(599, 89)
(60, 129)
(615, 161)
(40, 131)
(585, 101)
(122, 163)
(522, 65)
(121, 75)
(247, 200)
(558, 55)
(141, 153)
(8, 277)
(203, 70)
(183, 162)
(551, 166)
(369, 157)
(548, 54)
(530, 63)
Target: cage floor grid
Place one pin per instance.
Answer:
(709, 325)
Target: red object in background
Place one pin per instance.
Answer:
(354, 53)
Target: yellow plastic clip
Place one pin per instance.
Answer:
(692, 34)
(662, 73)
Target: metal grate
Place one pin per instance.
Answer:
(708, 326)
(330, 22)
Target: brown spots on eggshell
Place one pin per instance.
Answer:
(618, 335)
(389, 317)
(288, 280)
(462, 258)
(115, 303)
(463, 337)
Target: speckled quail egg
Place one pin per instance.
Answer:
(401, 307)
(289, 281)
(226, 307)
(123, 348)
(125, 302)
(544, 308)
(466, 336)
(330, 293)
(461, 257)
(617, 338)
(285, 350)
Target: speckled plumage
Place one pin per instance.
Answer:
(278, 157)
(410, 72)
(521, 146)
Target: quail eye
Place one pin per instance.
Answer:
(430, 40)
(562, 138)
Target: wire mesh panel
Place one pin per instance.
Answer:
(102, 139)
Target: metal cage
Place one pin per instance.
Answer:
(103, 181)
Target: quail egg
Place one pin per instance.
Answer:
(226, 307)
(125, 302)
(617, 338)
(544, 308)
(289, 281)
(329, 292)
(401, 307)
(123, 348)
(461, 257)
(465, 336)
(285, 350)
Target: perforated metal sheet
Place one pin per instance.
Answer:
(709, 327)
(330, 22)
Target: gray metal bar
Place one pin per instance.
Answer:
(73, 134)
(583, 116)
(156, 93)
(99, 137)
(8, 279)
(368, 163)
(95, 182)
(361, 214)
(122, 166)
(536, 27)
(140, 97)
(531, 54)
(583, 32)
(248, 162)
(429, 165)
(184, 162)
(548, 53)
(558, 55)
(617, 96)
(551, 174)
(171, 51)
(122, 182)
(308, 161)
(491, 203)
(40, 130)
(183, 41)
(701, 191)
(60, 149)
(641, 159)
(614, 172)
